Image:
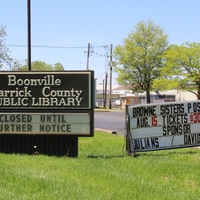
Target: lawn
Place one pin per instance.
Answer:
(102, 171)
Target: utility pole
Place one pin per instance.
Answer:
(103, 92)
(29, 33)
(105, 96)
(89, 52)
(110, 64)
(88, 55)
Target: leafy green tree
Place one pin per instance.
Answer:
(139, 58)
(4, 57)
(181, 69)
(58, 66)
(39, 66)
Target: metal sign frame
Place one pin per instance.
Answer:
(163, 126)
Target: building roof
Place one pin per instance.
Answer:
(123, 88)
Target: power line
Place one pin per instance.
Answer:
(101, 75)
(51, 46)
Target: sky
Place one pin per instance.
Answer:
(62, 29)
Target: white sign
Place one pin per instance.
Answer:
(45, 123)
(166, 125)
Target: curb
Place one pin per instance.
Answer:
(109, 131)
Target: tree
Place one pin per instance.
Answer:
(139, 58)
(4, 57)
(58, 66)
(181, 69)
(39, 66)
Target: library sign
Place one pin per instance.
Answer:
(164, 126)
(47, 102)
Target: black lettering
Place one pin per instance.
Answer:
(23, 127)
(42, 128)
(192, 139)
(18, 118)
(189, 107)
(176, 129)
(156, 142)
(164, 131)
(171, 109)
(62, 128)
(185, 119)
(136, 144)
(29, 129)
(6, 128)
(162, 110)
(18, 128)
(141, 143)
(55, 128)
(142, 122)
(63, 119)
(47, 128)
(48, 118)
(42, 118)
(146, 143)
(23, 118)
(12, 118)
(196, 107)
(68, 128)
(144, 111)
(29, 118)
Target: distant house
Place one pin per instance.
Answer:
(122, 95)
(122, 90)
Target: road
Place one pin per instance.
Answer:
(110, 121)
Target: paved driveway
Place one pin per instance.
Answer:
(110, 121)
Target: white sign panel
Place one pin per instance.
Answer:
(163, 126)
(45, 123)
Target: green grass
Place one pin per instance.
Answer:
(102, 171)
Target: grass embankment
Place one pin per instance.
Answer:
(102, 171)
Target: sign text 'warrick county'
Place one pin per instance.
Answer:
(51, 123)
(45, 90)
(163, 126)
